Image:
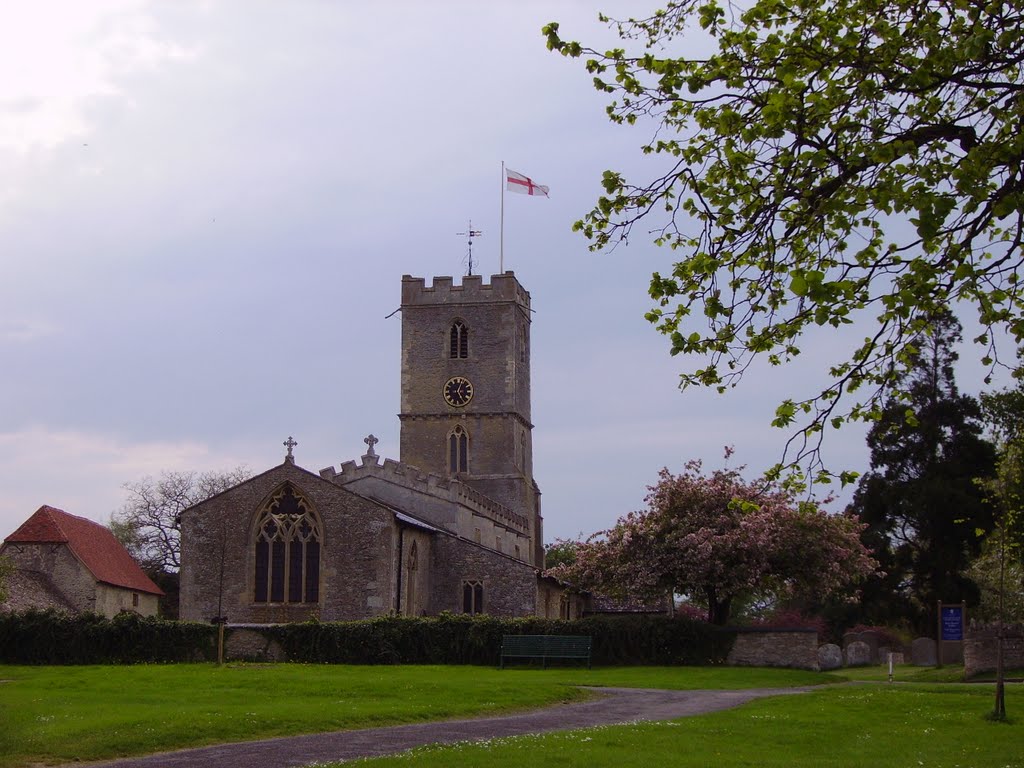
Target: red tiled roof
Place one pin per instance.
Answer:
(93, 544)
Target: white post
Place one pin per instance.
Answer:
(501, 236)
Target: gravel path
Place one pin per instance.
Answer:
(615, 705)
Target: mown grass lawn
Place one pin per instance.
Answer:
(857, 726)
(60, 714)
(63, 714)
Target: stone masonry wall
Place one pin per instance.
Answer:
(111, 600)
(65, 571)
(510, 586)
(357, 553)
(796, 648)
(497, 419)
(981, 646)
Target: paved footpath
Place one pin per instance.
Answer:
(614, 705)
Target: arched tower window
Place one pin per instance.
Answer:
(288, 539)
(458, 340)
(458, 450)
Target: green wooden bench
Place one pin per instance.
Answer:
(545, 647)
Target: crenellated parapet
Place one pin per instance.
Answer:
(472, 498)
(502, 287)
(394, 471)
(412, 479)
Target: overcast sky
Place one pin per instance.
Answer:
(206, 209)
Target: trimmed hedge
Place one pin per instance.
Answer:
(460, 639)
(54, 637)
(49, 637)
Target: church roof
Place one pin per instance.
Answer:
(93, 544)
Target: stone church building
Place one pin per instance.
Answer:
(454, 525)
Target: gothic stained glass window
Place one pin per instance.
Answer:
(458, 341)
(288, 539)
(458, 450)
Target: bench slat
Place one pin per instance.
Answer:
(546, 647)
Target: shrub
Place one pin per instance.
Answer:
(55, 637)
(460, 639)
(51, 637)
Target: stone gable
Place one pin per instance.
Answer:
(359, 538)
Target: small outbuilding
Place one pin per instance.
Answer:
(70, 563)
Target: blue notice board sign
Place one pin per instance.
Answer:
(953, 623)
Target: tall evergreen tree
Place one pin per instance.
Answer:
(920, 500)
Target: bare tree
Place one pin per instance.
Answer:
(147, 524)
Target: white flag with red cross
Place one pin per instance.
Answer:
(524, 185)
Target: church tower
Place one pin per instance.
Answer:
(466, 389)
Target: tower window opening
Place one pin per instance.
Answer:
(458, 339)
(458, 450)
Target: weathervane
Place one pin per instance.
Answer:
(470, 233)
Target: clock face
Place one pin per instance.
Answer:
(458, 391)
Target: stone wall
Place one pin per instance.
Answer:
(65, 572)
(444, 502)
(243, 643)
(111, 600)
(981, 645)
(510, 585)
(756, 647)
(358, 550)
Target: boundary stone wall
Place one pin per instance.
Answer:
(773, 647)
(981, 645)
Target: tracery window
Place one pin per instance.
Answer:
(458, 340)
(458, 450)
(288, 539)
(472, 596)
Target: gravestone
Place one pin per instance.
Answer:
(871, 638)
(830, 656)
(922, 652)
(858, 654)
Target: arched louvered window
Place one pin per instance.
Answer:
(288, 539)
(458, 340)
(458, 450)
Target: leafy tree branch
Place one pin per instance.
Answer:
(827, 163)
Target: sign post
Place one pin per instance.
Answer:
(220, 621)
(951, 619)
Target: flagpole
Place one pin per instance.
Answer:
(501, 236)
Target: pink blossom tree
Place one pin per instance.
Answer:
(717, 538)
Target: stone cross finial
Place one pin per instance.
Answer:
(371, 441)
(289, 444)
